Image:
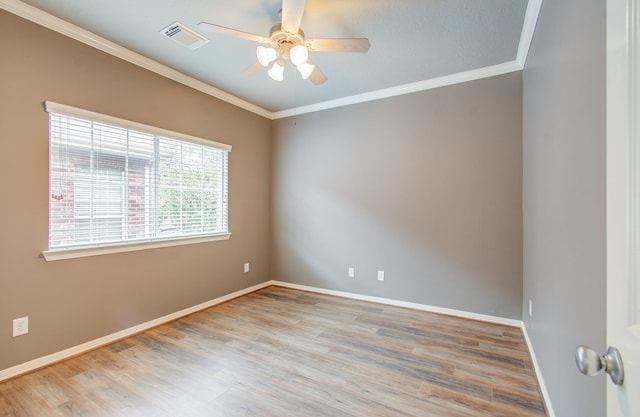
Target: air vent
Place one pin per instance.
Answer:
(184, 36)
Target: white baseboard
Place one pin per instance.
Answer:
(405, 304)
(543, 387)
(450, 312)
(94, 344)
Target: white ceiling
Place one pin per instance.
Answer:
(413, 42)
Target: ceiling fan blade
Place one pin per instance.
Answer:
(221, 30)
(252, 69)
(338, 45)
(292, 11)
(317, 77)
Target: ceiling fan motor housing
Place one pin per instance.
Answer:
(283, 41)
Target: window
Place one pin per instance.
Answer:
(98, 217)
(114, 182)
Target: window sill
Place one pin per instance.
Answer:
(60, 254)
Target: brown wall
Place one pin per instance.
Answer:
(74, 301)
(426, 186)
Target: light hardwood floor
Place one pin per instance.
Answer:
(282, 352)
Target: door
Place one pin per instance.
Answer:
(623, 201)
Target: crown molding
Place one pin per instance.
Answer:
(457, 78)
(65, 28)
(526, 37)
(528, 29)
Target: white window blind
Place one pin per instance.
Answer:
(116, 182)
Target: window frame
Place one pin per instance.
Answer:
(52, 254)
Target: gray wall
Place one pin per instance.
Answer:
(564, 198)
(426, 187)
(74, 301)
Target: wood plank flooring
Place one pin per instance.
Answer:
(282, 352)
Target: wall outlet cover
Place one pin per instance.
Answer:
(20, 326)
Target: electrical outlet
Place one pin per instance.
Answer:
(20, 326)
(380, 275)
(246, 267)
(352, 272)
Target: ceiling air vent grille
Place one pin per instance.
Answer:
(184, 36)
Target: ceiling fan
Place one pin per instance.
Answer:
(286, 41)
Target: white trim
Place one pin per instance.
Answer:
(526, 37)
(52, 107)
(536, 367)
(633, 191)
(61, 26)
(440, 310)
(404, 304)
(60, 254)
(94, 344)
(622, 220)
(49, 21)
(528, 29)
(97, 343)
(460, 77)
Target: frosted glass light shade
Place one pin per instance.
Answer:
(298, 55)
(277, 71)
(306, 69)
(265, 55)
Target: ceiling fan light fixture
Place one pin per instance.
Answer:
(306, 69)
(277, 71)
(286, 42)
(299, 55)
(265, 55)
